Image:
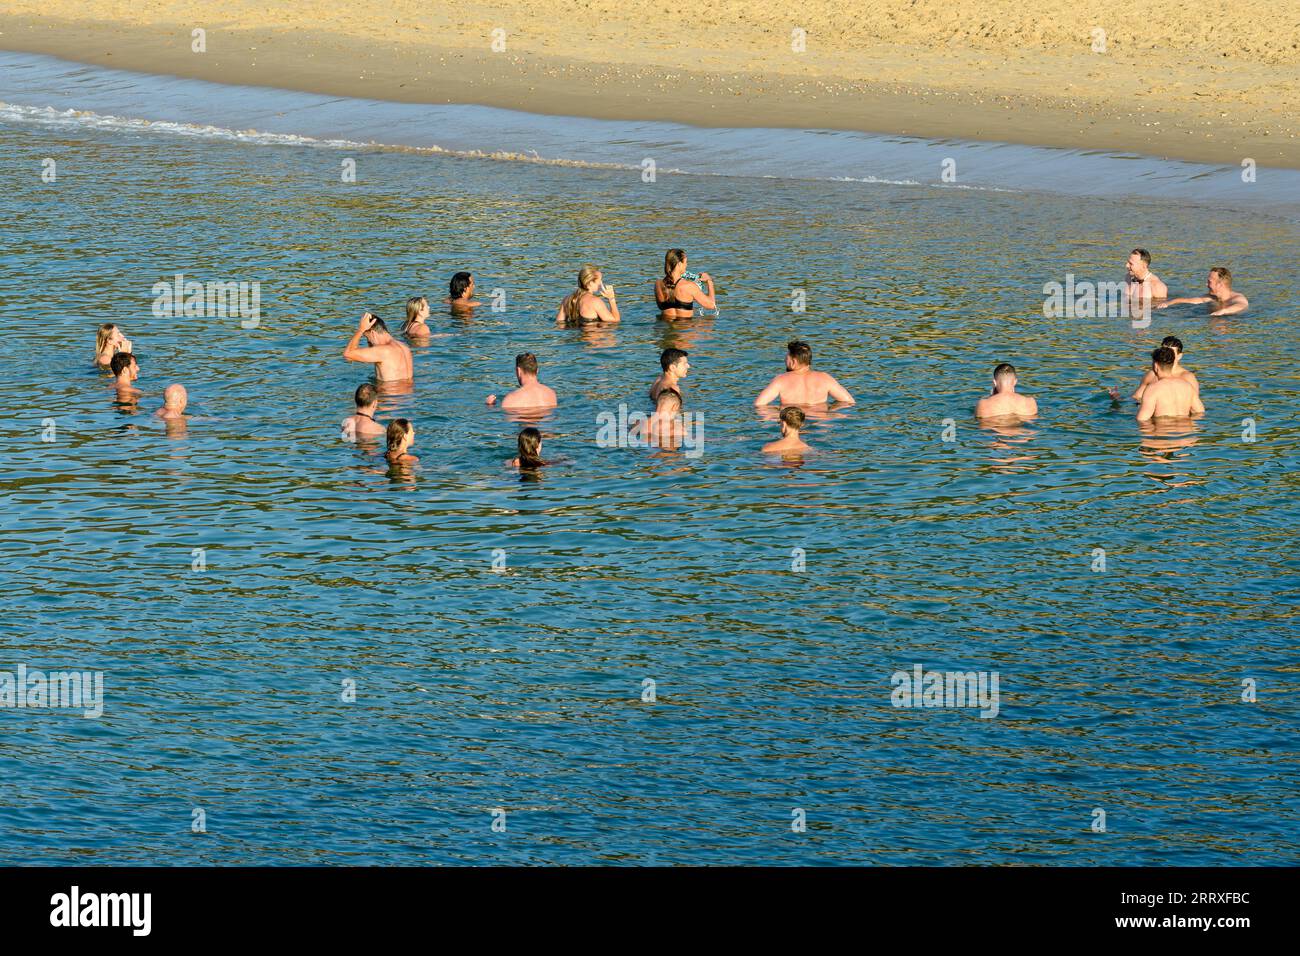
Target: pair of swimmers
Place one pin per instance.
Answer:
(1142, 283)
(676, 295)
(1167, 390)
(460, 296)
(126, 369)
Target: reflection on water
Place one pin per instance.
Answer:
(498, 626)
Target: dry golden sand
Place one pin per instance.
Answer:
(1191, 79)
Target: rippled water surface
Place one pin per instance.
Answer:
(522, 690)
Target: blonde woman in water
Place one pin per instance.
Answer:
(109, 340)
(592, 301)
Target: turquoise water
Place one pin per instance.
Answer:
(521, 690)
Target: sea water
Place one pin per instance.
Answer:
(639, 657)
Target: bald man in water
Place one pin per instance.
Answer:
(391, 358)
(175, 398)
(1170, 395)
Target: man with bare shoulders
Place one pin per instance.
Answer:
(1005, 401)
(675, 365)
(391, 358)
(175, 398)
(1170, 395)
(1175, 344)
(125, 370)
(1142, 283)
(800, 385)
(531, 393)
(1219, 286)
(362, 423)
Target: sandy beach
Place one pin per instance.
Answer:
(1187, 82)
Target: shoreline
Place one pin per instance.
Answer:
(1009, 103)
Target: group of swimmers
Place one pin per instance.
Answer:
(1167, 390)
(113, 352)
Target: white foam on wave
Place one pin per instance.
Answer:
(86, 119)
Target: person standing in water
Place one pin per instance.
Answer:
(530, 450)
(391, 358)
(125, 370)
(1140, 281)
(175, 399)
(583, 306)
(416, 325)
(531, 393)
(1005, 402)
(663, 428)
(1219, 286)
(677, 295)
(1149, 378)
(792, 419)
(675, 365)
(461, 293)
(362, 423)
(109, 341)
(400, 437)
(1170, 396)
(800, 385)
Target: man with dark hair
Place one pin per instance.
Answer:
(531, 393)
(391, 358)
(125, 370)
(363, 423)
(1219, 286)
(1004, 401)
(1141, 281)
(1170, 396)
(1148, 379)
(800, 385)
(462, 292)
(675, 365)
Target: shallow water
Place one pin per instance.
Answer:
(521, 690)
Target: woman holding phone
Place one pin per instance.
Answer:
(591, 302)
(678, 292)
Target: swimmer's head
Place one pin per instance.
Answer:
(1004, 376)
(792, 419)
(530, 448)
(1172, 342)
(1162, 359)
(799, 355)
(124, 362)
(1139, 262)
(674, 360)
(417, 307)
(1220, 280)
(104, 337)
(377, 333)
(366, 395)
(674, 264)
(175, 398)
(462, 285)
(400, 435)
(590, 280)
(526, 365)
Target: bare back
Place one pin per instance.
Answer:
(1007, 405)
(1171, 397)
(804, 388)
(395, 365)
